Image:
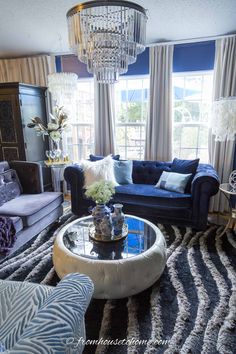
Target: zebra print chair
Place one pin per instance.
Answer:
(42, 319)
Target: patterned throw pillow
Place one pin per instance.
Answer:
(174, 182)
(10, 186)
(98, 171)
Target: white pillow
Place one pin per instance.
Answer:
(98, 170)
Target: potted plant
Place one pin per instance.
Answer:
(101, 192)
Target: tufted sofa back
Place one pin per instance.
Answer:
(149, 172)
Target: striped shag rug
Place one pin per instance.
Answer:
(190, 310)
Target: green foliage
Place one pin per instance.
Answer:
(133, 112)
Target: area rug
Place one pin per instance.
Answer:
(191, 309)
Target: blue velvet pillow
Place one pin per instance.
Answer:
(186, 167)
(172, 181)
(96, 157)
(123, 171)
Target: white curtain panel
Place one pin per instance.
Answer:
(159, 124)
(104, 119)
(30, 70)
(221, 154)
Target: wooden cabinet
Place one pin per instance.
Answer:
(18, 104)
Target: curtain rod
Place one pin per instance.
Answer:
(191, 40)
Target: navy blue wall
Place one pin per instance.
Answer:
(187, 57)
(194, 56)
(141, 66)
(71, 64)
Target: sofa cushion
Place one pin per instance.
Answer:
(18, 223)
(32, 207)
(10, 186)
(148, 172)
(101, 170)
(123, 171)
(173, 181)
(185, 166)
(97, 158)
(145, 193)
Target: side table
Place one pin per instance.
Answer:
(229, 191)
(57, 169)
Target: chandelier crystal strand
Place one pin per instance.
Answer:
(107, 36)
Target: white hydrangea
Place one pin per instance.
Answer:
(53, 126)
(55, 135)
(100, 192)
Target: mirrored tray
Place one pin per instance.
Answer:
(93, 236)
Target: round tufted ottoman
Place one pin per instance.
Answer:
(117, 269)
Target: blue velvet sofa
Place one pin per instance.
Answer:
(142, 198)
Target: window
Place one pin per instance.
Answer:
(192, 98)
(80, 140)
(131, 107)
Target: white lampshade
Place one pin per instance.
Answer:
(223, 122)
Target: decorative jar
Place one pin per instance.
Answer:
(102, 221)
(118, 219)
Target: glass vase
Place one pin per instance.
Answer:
(56, 149)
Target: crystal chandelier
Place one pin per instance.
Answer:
(107, 36)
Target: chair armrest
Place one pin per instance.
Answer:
(204, 185)
(57, 325)
(30, 176)
(206, 179)
(74, 175)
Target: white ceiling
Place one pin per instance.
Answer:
(39, 26)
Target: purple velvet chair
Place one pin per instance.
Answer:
(23, 199)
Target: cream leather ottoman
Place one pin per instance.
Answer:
(118, 269)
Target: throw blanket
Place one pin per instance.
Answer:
(7, 234)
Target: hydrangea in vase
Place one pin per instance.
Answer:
(101, 192)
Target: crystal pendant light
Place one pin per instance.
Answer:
(62, 86)
(107, 36)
